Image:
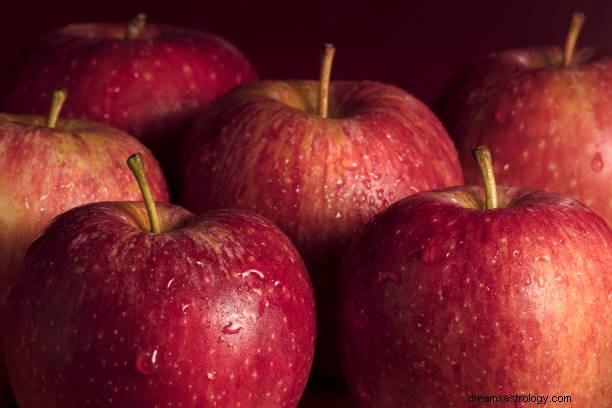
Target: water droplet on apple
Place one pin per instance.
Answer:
(543, 258)
(232, 328)
(528, 280)
(597, 163)
(338, 214)
(211, 374)
(147, 361)
(349, 164)
(252, 272)
(539, 278)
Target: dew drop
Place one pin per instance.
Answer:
(597, 163)
(349, 164)
(540, 280)
(252, 272)
(375, 175)
(211, 374)
(232, 328)
(147, 361)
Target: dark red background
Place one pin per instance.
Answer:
(414, 44)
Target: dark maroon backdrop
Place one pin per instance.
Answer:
(414, 44)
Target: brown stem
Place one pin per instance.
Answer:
(327, 56)
(134, 28)
(58, 97)
(136, 164)
(572, 35)
(485, 163)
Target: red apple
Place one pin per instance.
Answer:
(318, 168)
(545, 115)
(150, 81)
(446, 298)
(213, 310)
(48, 166)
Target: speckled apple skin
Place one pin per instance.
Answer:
(442, 300)
(548, 127)
(45, 171)
(262, 147)
(152, 87)
(216, 311)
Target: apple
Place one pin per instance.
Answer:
(544, 113)
(459, 293)
(150, 80)
(130, 305)
(318, 159)
(48, 165)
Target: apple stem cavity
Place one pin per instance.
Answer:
(136, 164)
(485, 163)
(327, 56)
(135, 27)
(575, 27)
(57, 101)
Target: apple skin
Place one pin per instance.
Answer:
(441, 300)
(152, 87)
(547, 126)
(262, 147)
(217, 310)
(45, 171)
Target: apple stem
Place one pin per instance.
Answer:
(136, 164)
(58, 97)
(134, 28)
(485, 163)
(572, 35)
(327, 56)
